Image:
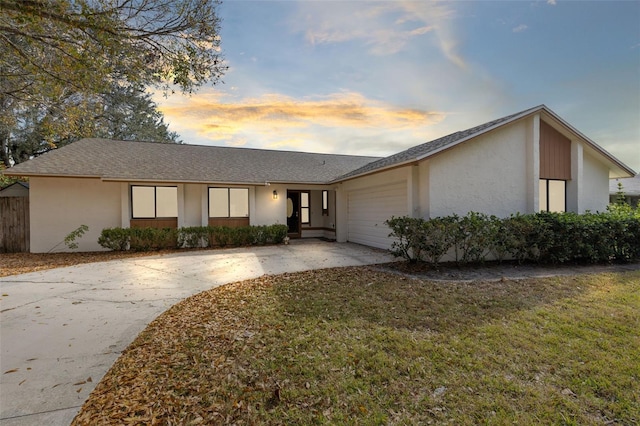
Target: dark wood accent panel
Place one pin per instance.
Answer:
(555, 154)
(154, 223)
(232, 222)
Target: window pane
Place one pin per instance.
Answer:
(143, 201)
(557, 196)
(304, 214)
(166, 201)
(543, 195)
(218, 202)
(325, 200)
(239, 202)
(304, 199)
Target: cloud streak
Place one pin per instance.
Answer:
(385, 28)
(279, 121)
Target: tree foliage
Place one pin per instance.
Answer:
(125, 112)
(83, 45)
(62, 62)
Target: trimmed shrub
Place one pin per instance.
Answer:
(409, 237)
(276, 233)
(193, 237)
(439, 237)
(474, 237)
(116, 239)
(544, 237)
(146, 239)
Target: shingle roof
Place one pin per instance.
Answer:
(18, 183)
(149, 161)
(427, 149)
(422, 151)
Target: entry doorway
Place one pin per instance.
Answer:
(293, 213)
(298, 212)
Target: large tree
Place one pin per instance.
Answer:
(125, 112)
(57, 56)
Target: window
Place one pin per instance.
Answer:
(305, 216)
(325, 203)
(553, 195)
(228, 202)
(149, 202)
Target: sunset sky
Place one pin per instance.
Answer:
(374, 78)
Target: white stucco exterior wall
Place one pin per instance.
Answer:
(532, 153)
(575, 186)
(192, 205)
(267, 210)
(377, 179)
(595, 195)
(423, 190)
(60, 205)
(487, 174)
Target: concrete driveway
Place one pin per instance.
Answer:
(62, 329)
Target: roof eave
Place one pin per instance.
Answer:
(370, 172)
(213, 182)
(8, 172)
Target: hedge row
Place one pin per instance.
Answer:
(549, 238)
(145, 239)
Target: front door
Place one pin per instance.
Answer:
(293, 213)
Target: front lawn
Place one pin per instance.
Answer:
(361, 346)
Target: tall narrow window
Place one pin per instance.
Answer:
(325, 203)
(305, 216)
(553, 196)
(228, 202)
(150, 202)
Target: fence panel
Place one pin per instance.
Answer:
(14, 224)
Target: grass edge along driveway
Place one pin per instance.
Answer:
(361, 346)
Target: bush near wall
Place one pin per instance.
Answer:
(547, 238)
(146, 239)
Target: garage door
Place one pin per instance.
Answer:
(369, 208)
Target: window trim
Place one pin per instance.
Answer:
(325, 202)
(548, 197)
(155, 201)
(228, 216)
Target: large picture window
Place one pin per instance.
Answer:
(150, 202)
(228, 202)
(553, 195)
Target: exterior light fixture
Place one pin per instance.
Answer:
(275, 195)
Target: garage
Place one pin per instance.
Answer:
(369, 208)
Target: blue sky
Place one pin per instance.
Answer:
(374, 78)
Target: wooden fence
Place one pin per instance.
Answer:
(14, 224)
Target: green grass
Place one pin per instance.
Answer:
(359, 346)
